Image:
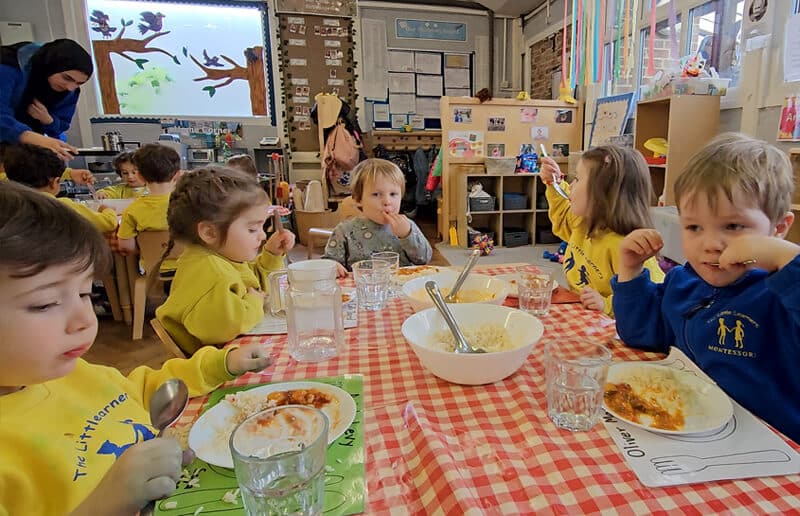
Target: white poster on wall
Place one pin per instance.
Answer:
(425, 62)
(401, 61)
(428, 107)
(791, 50)
(429, 85)
(402, 103)
(456, 77)
(375, 84)
(401, 83)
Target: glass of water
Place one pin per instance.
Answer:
(576, 377)
(279, 458)
(535, 286)
(372, 283)
(393, 259)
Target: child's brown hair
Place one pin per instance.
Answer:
(157, 163)
(734, 163)
(243, 162)
(37, 232)
(619, 190)
(369, 169)
(32, 165)
(122, 158)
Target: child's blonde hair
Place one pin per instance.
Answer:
(370, 169)
(734, 163)
(243, 162)
(619, 190)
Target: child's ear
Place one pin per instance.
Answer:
(208, 233)
(783, 225)
(54, 185)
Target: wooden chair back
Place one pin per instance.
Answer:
(152, 245)
(166, 340)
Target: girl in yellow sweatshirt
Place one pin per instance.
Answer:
(608, 198)
(221, 278)
(76, 438)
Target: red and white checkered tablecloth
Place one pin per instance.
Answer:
(436, 447)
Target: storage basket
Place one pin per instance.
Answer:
(500, 166)
(481, 203)
(514, 237)
(515, 201)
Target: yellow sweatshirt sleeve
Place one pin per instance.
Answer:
(105, 221)
(224, 312)
(265, 264)
(561, 218)
(127, 226)
(202, 373)
(114, 191)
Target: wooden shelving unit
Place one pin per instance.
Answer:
(688, 122)
(794, 231)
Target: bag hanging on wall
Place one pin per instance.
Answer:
(341, 155)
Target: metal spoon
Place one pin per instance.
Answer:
(473, 258)
(751, 261)
(556, 184)
(166, 406)
(462, 346)
(277, 223)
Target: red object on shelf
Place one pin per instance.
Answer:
(660, 160)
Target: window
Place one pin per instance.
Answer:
(661, 52)
(715, 31)
(659, 3)
(180, 59)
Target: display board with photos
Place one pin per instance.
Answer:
(316, 55)
(417, 80)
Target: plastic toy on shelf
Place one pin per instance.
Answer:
(659, 148)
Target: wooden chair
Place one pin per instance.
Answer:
(166, 340)
(348, 209)
(151, 248)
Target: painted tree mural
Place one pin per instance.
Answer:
(252, 72)
(122, 46)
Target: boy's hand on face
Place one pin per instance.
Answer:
(399, 224)
(591, 299)
(280, 242)
(549, 171)
(249, 358)
(341, 271)
(636, 248)
(770, 253)
(146, 471)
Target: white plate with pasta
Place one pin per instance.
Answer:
(209, 436)
(512, 279)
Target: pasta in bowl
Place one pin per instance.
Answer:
(477, 288)
(507, 334)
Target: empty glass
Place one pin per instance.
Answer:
(393, 259)
(372, 283)
(535, 286)
(576, 377)
(279, 459)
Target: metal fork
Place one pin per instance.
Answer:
(682, 464)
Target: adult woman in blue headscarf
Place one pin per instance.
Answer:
(39, 89)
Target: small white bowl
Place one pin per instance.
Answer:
(523, 329)
(414, 290)
(117, 205)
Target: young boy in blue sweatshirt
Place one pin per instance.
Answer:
(734, 308)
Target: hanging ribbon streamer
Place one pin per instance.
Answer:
(578, 45)
(602, 38)
(651, 43)
(627, 31)
(618, 44)
(572, 45)
(588, 43)
(564, 73)
(673, 33)
(634, 34)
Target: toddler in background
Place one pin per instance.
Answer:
(378, 187)
(76, 437)
(733, 308)
(132, 183)
(243, 162)
(609, 198)
(221, 281)
(41, 169)
(159, 165)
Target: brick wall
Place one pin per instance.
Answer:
(546, 59)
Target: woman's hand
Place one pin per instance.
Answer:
(63, 150)
(37, 110)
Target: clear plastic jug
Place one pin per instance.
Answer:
(312, 305)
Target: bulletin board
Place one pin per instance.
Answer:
(316, 55)
(610, 116)
(417, 81)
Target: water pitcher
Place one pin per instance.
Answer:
(312, 305)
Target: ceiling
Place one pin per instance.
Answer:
(500, 7)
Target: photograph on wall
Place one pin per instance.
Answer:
(563, 116)
(528, 114)
(560, 150)
(496, 150)
(462, 115)
(789, 125)
(540, 132)
(465, 144)
(497, 123)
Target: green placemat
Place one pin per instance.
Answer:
(204, 485)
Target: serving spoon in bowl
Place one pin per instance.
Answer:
(462, 346)
(471, 261)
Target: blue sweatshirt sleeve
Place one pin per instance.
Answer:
(637, 308)
(10, 128)
(785, 283)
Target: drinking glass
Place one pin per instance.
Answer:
(393, 259)
(575, 372)
(372, 283)
(279, 459)
(535, 286)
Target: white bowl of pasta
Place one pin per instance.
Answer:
(507, 334)
(477, 288)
